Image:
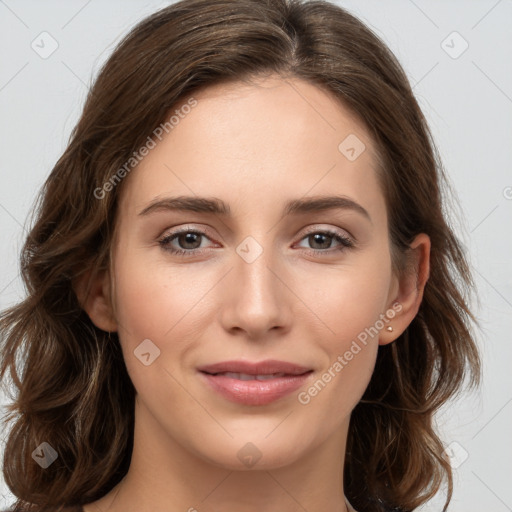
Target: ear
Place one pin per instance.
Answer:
(94, 295)
(408, 290)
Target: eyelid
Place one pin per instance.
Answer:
(171, 231)
(329, 229)
(309, 230)
(175, 232)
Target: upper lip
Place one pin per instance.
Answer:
(266, 367)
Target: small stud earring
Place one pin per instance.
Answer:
(389, 328)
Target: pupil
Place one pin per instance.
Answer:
(191, 238)
(321, 236)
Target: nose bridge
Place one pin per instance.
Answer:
(253, 266)
(257, 301)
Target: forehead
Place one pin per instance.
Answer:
(272, 140)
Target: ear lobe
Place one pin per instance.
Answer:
(93, 294)
(411, 285)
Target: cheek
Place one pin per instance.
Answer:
(148, 308)
(352, 307)
(350, 352)
(362, 305)
(162, 304)
(152, 299)
(352, 299)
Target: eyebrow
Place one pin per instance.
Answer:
(216, 206)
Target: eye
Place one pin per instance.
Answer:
(324, 239)
(189, 239)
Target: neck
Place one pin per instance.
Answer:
(163, 473)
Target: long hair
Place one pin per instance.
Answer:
(72, 389)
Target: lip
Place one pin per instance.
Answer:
(255, 392)
(266, 367)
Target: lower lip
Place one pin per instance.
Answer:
(255, 392)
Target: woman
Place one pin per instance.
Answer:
(252, 369)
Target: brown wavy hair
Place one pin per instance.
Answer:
(72, 388)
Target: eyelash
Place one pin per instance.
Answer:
(345, 242)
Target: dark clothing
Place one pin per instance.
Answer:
(77, 508)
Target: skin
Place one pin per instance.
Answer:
(255, 147)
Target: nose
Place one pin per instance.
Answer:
(257, 300)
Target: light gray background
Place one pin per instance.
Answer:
(467, 100)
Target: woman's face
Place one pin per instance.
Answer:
(258, 283)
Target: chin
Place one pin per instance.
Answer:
(252, 454)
